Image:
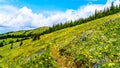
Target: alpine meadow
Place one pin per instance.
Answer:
(91, 42)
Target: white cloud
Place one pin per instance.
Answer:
(24, 18)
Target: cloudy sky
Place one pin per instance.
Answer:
(29, 14)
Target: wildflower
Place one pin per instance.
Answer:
(84, 38)
(105, 53)
(100, 53)
(101, 43)
(95, 65)
(119, 54)
(46, 59)
(40, 62)
(86, 52)
(106, 47)
(100, 48)
(37, 65)
(96, 53)
(103, 65)
(49, 57)
(80, 48)
(91, 57)
(103, 61)
(111, 64)
(106, 23)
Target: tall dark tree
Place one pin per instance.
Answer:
(21, 43)
(1, 44)
(112, 8)
(11, 47)
(36, 37)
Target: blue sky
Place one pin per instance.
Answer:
(37, 5)
(29, 14)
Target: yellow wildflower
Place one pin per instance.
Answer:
(96, 53)
(106, 47)
(103, 65)
(40, 62)
(86, 52)
(101, 43)
(80, 48)
(49, 57)
(46, 59)
(91, 57)
(111, 64)
(118, 54)
(100, 53)
(37, 65)
(100, 48)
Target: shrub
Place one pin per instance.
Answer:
(1, 44)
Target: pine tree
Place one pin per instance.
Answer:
(11, 44)
(1, 44)
(112, 8)
(21, 43)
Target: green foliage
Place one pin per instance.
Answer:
(21, 43)
(41, 61)
(81, 60)
(11, 46)
(17, 40)
(11, 42)
(1, 44)
(36, 37)
(44, 60)
(22, 35)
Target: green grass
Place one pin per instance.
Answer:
(26, 32)
(22, 32)
(95, 42)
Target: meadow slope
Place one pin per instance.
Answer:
(95, 43)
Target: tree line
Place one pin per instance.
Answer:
(98, 14)
(20, 38)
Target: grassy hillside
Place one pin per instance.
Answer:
(96, 43)
(8, 39)
(25, 32)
